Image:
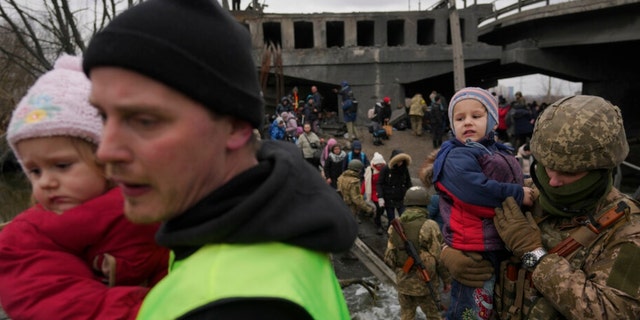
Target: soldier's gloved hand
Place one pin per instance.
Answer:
(467, 268)
(520, 233)
(381, 202)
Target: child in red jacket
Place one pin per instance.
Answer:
(73, 254)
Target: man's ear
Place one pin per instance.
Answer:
(241, 132)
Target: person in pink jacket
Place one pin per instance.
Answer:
(73, 254)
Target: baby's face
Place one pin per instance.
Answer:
(61, 178)
(469, 120)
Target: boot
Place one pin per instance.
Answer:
(380, 231)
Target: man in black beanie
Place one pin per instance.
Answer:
(177, 86)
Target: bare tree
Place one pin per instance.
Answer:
(34, 33)
(47, 28)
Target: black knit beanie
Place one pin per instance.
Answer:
(193, 46)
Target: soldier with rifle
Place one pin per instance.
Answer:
(412, 252)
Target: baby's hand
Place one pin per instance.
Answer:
(107, 267)
(530, 195)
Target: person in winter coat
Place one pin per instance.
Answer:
(393, 183)
(473, 175)
(521, 119)
(277, 130)
(437, 117)
(311, 113)
(369, 188)
(503, 110)
(309, 143)
(284, 106)
(562, 278)
(327, 150)
(291, 126)
(348, 186)
(349, 109)
(417, 108)
(356, 153)
(333, 165)
(178, 139)
(73, 254)
(424, 234)
(382, 111)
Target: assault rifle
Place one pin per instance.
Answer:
(415, 260)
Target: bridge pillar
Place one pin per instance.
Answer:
(286, 28)
(440, 29)
(319, 34)
(380, 32)
(410, 32)
(350, 33)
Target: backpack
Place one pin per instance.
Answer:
(371, 113)
(354, 106)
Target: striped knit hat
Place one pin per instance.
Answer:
(480, 95)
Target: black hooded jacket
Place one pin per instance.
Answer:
(282, 199)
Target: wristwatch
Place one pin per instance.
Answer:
(530, 259)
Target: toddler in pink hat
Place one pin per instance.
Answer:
(63, 255)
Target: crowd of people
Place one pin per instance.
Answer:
(155, 199)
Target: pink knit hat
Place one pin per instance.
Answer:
(56, 105)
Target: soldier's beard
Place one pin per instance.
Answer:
(575, 199)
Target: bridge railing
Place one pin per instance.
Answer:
(501, 8)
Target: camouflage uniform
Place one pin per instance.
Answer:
(412, 290)
(349, 188)
(599, 280)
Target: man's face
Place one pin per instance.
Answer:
(561, 178)
(163, 149)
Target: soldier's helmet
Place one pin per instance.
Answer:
(416, 196)
(579, 133)
(355, 165)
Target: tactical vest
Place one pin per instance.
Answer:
(272, 270)
(515, 295)
(345, 184)
(412, 231)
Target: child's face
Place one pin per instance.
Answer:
(336, 149)
(61, 178)
(469, 120)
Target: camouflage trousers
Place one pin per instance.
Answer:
(408, 305)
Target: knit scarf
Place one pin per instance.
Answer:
(368, 176)
(575, 199)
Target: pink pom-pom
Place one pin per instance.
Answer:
(69, 62)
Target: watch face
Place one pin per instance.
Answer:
(529, 260)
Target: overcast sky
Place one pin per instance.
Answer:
(288, 6)
(528, 85)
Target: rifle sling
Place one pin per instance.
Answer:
(585, 235)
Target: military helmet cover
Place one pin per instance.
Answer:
(355, 165)
(416, 196)
(580, 133)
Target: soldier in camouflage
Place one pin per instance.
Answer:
(425, 235)
(581, 242)
(348, 186)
